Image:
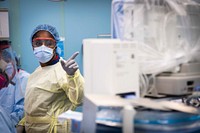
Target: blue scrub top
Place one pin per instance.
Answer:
(11, 105)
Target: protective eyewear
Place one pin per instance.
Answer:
(49, 42)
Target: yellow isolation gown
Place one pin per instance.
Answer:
(50, 92)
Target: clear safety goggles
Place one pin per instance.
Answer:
(49, 42)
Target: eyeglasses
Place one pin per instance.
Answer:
(49, 42)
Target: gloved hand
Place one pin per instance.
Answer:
(70, 66)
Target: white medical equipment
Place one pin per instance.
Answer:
(107, 110)
(133, 115)
(183, 82)
(167, 33)
(110, 67)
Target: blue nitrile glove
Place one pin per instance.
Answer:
(70, 66)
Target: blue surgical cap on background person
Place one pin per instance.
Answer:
(48, 28)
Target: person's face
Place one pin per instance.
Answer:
(7, 68)
(43, 38)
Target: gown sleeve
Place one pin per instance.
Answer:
(74, 88)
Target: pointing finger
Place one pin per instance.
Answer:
(74, 55)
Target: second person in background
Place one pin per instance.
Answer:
(53, 88)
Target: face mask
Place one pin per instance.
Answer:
(4, 81)
(10, 70)
(43, 53)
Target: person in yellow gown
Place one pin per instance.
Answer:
(53, 88)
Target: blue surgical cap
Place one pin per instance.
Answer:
(52, 30)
